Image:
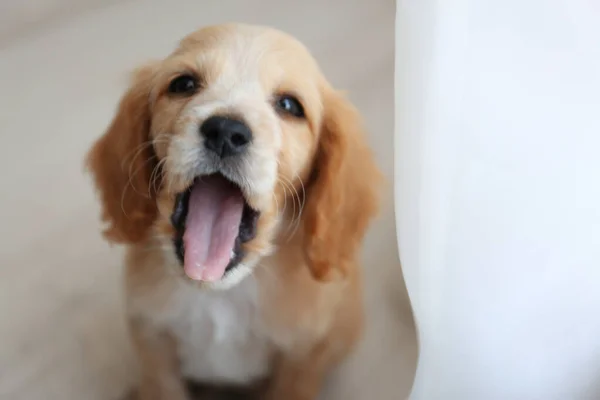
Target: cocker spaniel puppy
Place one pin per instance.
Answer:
(242, 185)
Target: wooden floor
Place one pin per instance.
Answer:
(62, 334)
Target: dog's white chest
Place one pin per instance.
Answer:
(220, 334)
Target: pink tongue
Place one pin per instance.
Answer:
(212, 225)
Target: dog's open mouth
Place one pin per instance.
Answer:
(212, 220)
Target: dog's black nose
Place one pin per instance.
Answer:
(225, 136)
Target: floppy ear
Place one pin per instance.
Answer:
(122, 161)
(344, 193)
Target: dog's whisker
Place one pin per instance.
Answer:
(137, 151)
(295, 222)
(139, 169)
(285, 187)
(301, 205)
(154, 176)
(133, 154)
(276, 202)
(159, 181)
(130, 184)
(285, 195)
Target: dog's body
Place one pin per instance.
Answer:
(265, 214)
(237, 336)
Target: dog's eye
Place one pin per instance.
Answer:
(289, 105)
(184, 84)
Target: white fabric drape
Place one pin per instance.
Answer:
(498, 195)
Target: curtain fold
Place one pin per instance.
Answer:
(497, 153)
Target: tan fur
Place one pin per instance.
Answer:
(124, 177)
(343, 196)
(309, 291)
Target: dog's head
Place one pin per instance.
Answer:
(231, 143)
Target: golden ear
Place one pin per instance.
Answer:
(122, 161)
(344, 194)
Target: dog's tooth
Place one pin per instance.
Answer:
(232, 255)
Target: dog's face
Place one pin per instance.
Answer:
(229, 144)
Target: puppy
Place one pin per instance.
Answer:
(242, 185)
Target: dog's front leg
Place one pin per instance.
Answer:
(160, 377)
(299, 378)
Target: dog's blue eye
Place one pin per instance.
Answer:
(289, 105)
(184, 84)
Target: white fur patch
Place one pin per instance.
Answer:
(219, 333)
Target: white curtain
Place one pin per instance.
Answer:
(498, 195)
